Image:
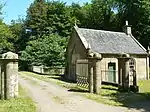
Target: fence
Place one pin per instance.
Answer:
(48, 70)
(109, 76)
(82, 73)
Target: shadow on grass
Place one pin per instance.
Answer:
(61, 78)
(53, 74)
(131, 100)
(138, 101)
(78, 90)
(108, 88)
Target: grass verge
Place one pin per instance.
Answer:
(108, 95)
(21, 104)
(51, 78)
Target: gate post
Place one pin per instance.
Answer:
(97, 73)
(123, 78)
(90, 73)
(1, 80)
(10, 74)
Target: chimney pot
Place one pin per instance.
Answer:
(127, 28)
(127, 23)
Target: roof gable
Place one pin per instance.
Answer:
(110, 42)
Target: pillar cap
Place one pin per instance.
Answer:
(9, 55)
(97, 56)
(124, 55)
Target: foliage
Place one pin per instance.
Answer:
(97, 15)
(44, 18)
(101, 12)
(49, 25)
(59, 19)
(80, 14)
(138, 14)
(20, 37)
(5, 38)
(36, 19)
(48, 51)
(47, 18)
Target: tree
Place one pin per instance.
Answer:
(44, 18)
(49, 24)
(48, 51)
(36, 19)
(5, 35)
(20, 36)
(59, 19)
(137, 12)
(98, 15)
(80, 14)
(5, 38)
(101, 14)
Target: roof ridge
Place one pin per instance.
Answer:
(103, 30)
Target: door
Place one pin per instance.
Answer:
(111, 72)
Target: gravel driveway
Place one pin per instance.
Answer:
(52, 98)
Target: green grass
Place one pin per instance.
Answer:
(144, 86)
(21, 104)
(108, 95)
(50, 78)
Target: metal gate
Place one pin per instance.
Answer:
(82, 73)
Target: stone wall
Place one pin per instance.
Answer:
(141, 66)
(47, 70)
(75, 51)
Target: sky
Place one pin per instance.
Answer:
(17, 8)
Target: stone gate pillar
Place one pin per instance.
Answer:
(97, 73)
(10, 63)
(90, 75)
(123, 76)
(94, 71)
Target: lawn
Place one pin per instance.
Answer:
(108, 95)
(21, 104)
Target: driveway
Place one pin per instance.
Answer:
(53, 98)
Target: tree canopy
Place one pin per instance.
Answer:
(41, 38)
(5, 38)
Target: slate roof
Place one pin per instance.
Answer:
(111, 42)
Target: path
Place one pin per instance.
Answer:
(52, 98)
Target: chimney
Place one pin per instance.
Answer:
(127, 29)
